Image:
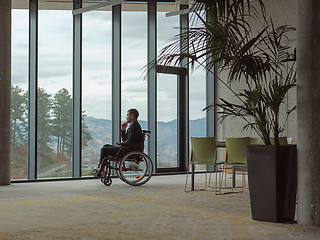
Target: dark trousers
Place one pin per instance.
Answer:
(108, 150)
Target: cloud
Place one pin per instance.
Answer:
(97, 29)
(134, 26)
(168, 27)
(97, 107)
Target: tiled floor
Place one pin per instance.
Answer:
(160, 209)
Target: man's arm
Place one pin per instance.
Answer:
(133, 135)
(123, 135)
(123, 131)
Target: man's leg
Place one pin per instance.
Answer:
(108, 150)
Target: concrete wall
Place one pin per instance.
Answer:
(308, 52)
(5, 67)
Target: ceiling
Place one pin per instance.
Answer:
(130, 5)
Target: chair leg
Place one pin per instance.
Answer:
(243, 181)
(220, 170)
(205, 180)
(205, 184)
(216, 170)
(224, 172)
(214, 166)
(210, 170)
(185, 187)
(218, 192)
(233, 188)
(243, 178)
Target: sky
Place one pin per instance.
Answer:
(55, 62)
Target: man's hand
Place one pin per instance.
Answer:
(124, 126)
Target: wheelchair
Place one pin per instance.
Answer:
(133, 167)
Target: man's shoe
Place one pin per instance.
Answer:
(94, 172)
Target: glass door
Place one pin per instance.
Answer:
(167, 154)
(172, 119)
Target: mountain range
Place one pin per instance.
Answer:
(101, 132)
(101, 129)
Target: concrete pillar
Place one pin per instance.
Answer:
(5, 90)
(308, 93)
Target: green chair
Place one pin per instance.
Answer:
(203, 152)
(235, 160)
(283, 140)
(256, 141)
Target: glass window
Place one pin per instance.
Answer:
(197, 102)
(19, 94)
(167, 121)
(54, 140)
(96, 82)
(168, 27)
(197, 94)
(134, 58)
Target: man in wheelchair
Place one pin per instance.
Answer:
(132, 140)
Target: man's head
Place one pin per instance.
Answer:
(132, 115)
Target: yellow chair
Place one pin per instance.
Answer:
(203, 152)
(235, 159)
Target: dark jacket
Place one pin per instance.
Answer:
(133, 137)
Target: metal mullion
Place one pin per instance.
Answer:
(183, 119)
(116, 72)
(183, 96)
(211, 98)
(33, 87)
(152, 82)
(77, 92)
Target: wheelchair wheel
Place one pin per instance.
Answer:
(135, 168)
(106, 181)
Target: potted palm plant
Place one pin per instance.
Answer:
(266, 64)
(272, 169)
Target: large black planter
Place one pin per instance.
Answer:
(272, 177)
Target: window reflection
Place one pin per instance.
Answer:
(96, 82)
(54, 139)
